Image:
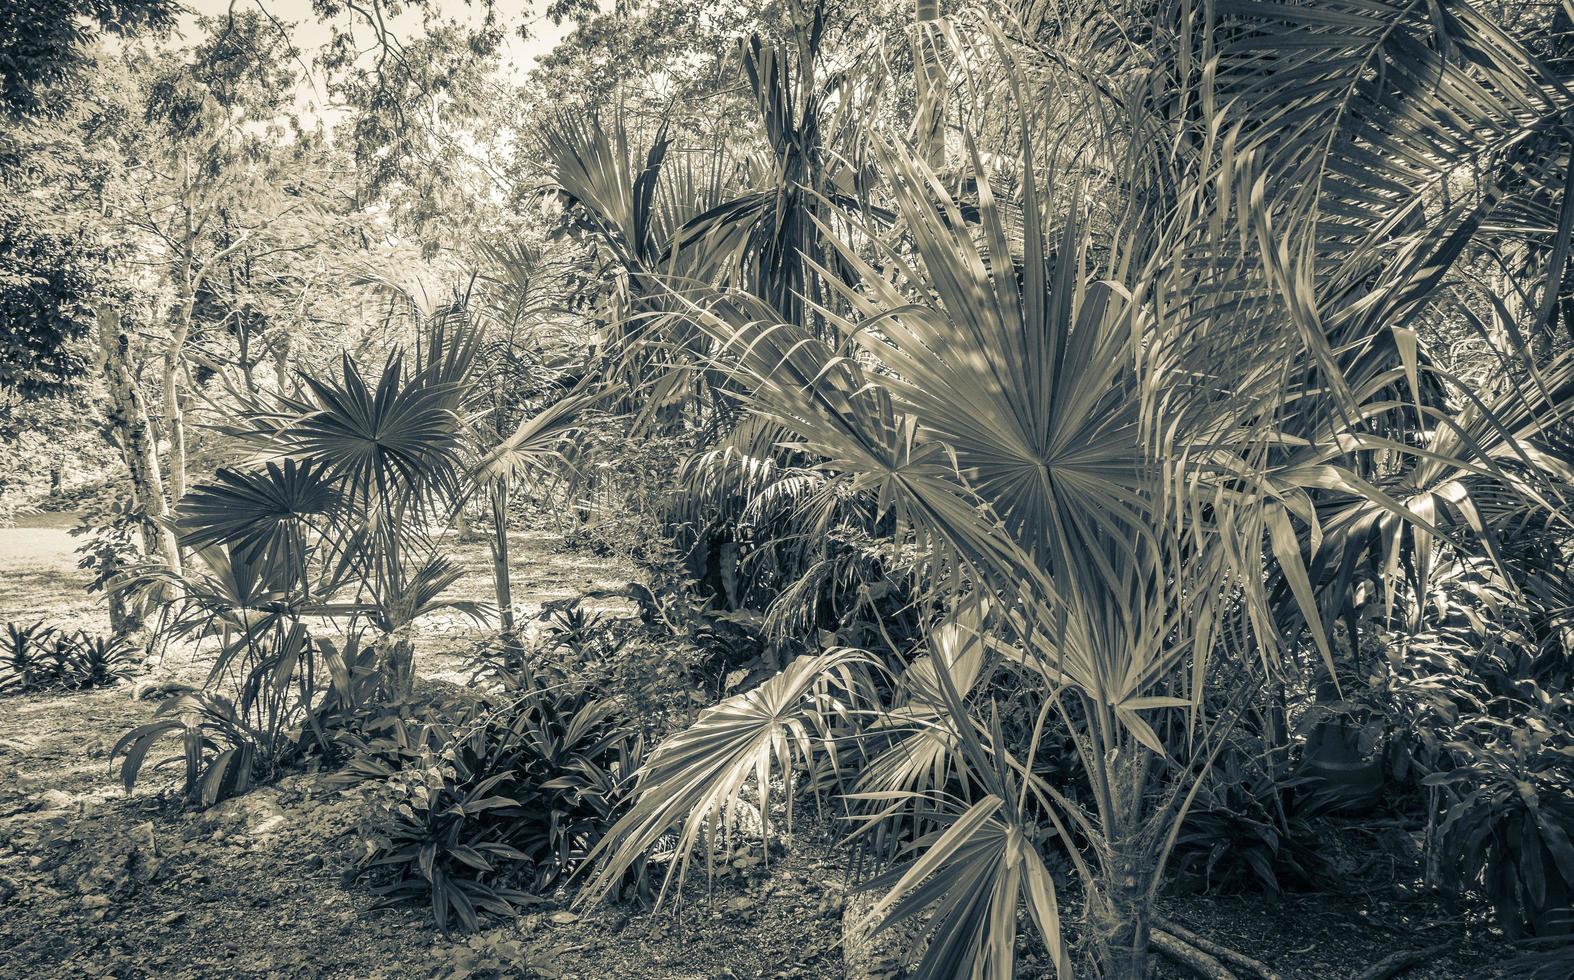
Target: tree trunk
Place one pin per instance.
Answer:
(174, 411)
(280, 349)
(1119, 915)
(124, 619)
(398, 609)
(929, 86)
(1120, 906)
(129, 418)
(399, 669)
(500, 579)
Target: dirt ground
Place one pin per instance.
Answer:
(98, 883)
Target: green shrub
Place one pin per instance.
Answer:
(27, 664)
(110, 551)
(44, 658)
(486, 805)
(1508, 815)
(99, 661)
(224, 751)
(649, 670)
(1240, 836)
(271, 666)
(492, 955)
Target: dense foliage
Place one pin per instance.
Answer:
(1093, 449)
(489, 802)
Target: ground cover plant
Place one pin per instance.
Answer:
(37, 657)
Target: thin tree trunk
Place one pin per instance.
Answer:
(280, 349)
(399, 669)
(500, 579)
(399, 663)
(174, 350)
(930, 87)
(174, 411)
(129, 418)
(122, 622)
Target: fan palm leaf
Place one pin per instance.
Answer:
(971, 878)
(260, 513)
(694, 779)
(536, 440)
(1362, 108)
(385, 437)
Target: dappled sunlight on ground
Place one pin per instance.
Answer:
(96, 882)
(39, 579)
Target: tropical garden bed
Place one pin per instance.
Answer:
(805, 488)
(98, 882)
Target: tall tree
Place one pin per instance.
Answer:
(129, 420)
(43, 42)
(203, 177)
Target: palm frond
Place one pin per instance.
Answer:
(259, 513)
(694, 780)
(971, 877)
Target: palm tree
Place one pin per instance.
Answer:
(1107, 440)
(531, 449)
(393, 447)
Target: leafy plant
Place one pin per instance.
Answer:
(27, 657)
(486, 804)
(99, 661)
(1108, 418)
(1508, 815)
(646, 665)
(1240, 835)
(111, 552)
(491, 955)
(277, 544)
(358, 465)
(695, 779)
(39, 657)
(250, 597)
(222, 754)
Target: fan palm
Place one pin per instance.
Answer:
(1110, 438)
(354, 468)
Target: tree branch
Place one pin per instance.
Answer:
(1212, 948)
(1189, 956)
(1400, 962)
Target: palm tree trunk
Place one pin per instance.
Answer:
(398, 668)
(930, 87)
(1120, 914)
(1120, 907)
(505, 593)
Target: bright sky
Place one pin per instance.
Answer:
(309, 34)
